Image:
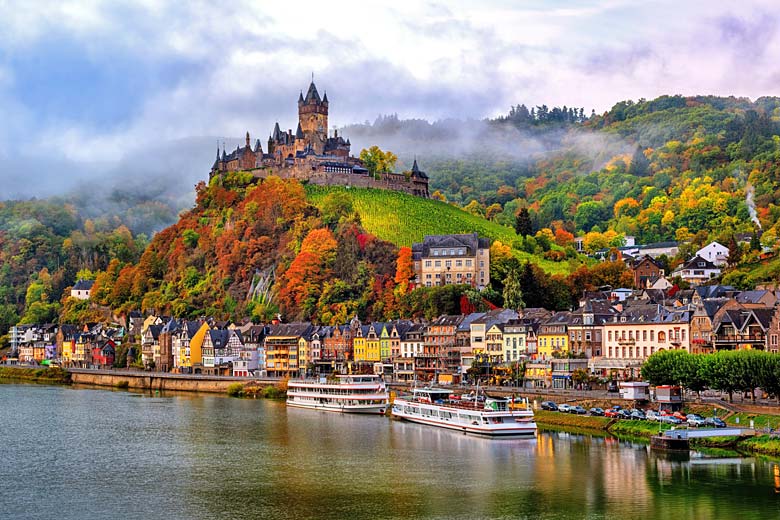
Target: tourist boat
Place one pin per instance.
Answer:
(493, 417)
(342, 393)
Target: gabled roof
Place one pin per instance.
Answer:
(698, 262)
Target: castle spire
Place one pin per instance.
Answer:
(415, 168)
(299, 132)
(325, 98)
(247, 139)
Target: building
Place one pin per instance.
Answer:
(82, 289)
(697, 270)
(281, 348)
(311, 154)
(452, 259)
(645, 271)
(586, 327)
(714, 252)
(553, 338)
(637, 332)
(736, 327)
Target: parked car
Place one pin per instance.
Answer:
(549, 405)
(714, 422)
(695, 420)
(680, 416)
(671, 419)
(612, 412)
(564, 408)
(624, 414)
(579, 410)
(638, 415)
(652, 415)
(596, 411)
(612, 386)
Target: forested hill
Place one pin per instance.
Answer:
(670, 168)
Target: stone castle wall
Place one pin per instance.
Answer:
(385, 182)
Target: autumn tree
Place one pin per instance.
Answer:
(404, 271)
(378, 161)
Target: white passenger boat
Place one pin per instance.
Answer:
(342, 393)
(494, 417)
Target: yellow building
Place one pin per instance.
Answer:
(359, 343)
(373, 343)
(553, 336)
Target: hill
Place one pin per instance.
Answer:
(403, 219)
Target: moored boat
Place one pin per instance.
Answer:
(342, 393)
(495, 417)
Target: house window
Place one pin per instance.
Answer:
(448, 263)
(468, 263)
(652, 335)
(437, 263)
(609, 335)
(644, 335)
(662, 337)
(427, 263)
(458, 263)
(435, 252)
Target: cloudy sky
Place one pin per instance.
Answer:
(127, 90)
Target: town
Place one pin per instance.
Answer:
(606, 339)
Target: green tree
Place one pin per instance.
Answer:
(513, 291)
(590, 213)
(640, 166)
(523, 224)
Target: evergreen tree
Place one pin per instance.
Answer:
(735, 253)
(640, 166)
(755, 244)
(513, 292)
(523, 224)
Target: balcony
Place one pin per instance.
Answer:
(746, 338)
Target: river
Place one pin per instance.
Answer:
(74, 453)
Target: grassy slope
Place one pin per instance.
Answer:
(402, 219)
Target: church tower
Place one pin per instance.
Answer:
(313, 118)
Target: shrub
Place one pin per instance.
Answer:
(235, 390)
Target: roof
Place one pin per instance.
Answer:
(469, 242)
(416, 172)
(83, 285)
(290, 329)
(698, 262)
(312, 96)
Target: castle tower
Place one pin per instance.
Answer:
(313, 118)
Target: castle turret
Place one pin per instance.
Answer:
(313, 118)
(247, 139)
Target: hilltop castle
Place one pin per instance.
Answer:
(312, 155)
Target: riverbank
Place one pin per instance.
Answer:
(54, 376)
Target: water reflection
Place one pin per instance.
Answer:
(96, 454)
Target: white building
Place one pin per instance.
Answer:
(82, 289)
(714, 252)
(697, 270)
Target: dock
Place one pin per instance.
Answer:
(679, 440)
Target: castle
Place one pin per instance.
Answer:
(311, 155)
